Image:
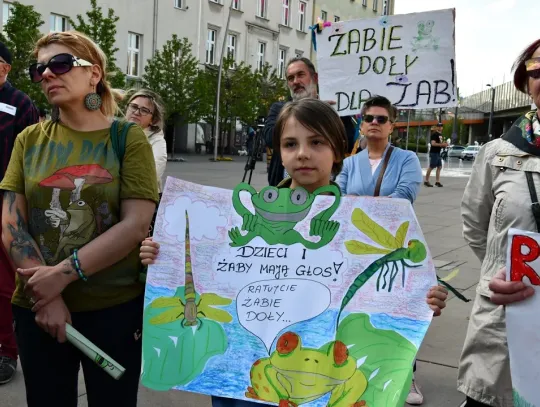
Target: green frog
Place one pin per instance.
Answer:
(295, 375)
(278, 210)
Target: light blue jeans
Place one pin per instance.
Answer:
(226, 402)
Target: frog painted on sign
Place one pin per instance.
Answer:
(425, 38)
(295, 375)
(278, 210)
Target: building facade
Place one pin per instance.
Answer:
(260, 30)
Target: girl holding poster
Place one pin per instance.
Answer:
(311, 141)
(498, 197)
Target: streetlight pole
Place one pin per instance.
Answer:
(408, 126)
(491, 111)
(455, 125)
(220, 72)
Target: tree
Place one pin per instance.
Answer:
(21, 34)
(103, 31)
(173, 74)
(270, 88)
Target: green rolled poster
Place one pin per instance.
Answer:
(103, 360)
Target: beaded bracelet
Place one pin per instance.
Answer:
(77, 265)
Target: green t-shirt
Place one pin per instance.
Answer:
(73, 186)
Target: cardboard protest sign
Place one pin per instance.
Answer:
(522, 322)
(285, 296)
(410, 59)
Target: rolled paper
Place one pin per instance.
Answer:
(103, 360)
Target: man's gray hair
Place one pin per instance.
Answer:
(306, 61)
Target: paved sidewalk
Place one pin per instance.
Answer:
(438, 212)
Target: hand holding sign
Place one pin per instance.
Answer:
(508, 292)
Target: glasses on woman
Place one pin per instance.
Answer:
(369, 118)
(58, 65)
(143, 111)
(533, 68)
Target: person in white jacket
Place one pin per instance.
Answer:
(146, 109)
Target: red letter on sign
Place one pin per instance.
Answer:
(519, 261)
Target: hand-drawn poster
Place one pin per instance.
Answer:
(522, 322)
(409, 58)
(286, 297)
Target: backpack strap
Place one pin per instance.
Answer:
(118, 139)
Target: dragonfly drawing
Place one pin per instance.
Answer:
(190, 310)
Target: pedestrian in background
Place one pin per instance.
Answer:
(16, 113)
(435, 161)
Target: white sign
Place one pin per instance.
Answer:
(410, 59)
(522, 322)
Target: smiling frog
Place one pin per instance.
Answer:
(278, 210)
(295, 375)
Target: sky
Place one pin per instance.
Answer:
(490, 34)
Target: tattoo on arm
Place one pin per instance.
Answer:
(67, 265)
(10, 197)
(23, 246)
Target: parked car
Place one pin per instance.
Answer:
(452, 151)
(470, 153)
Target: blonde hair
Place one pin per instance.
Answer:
(159, 109)
(83, 47)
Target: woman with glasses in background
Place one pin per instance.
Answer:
(381, 169)
(78, 197)
(146, 109)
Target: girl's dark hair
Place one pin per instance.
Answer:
(321, 119)
(521, 79)
(380, 101)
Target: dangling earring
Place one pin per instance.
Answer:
(93, 101)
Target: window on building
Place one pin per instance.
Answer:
(231, 47)
(7, 9)
(134, 54)
(261, 8)
(364, 3)
(336, 19)
(236, 4)
(282, 57)
(324, 15)
(375, 5)
(285, 13)
(386, 7)
(261, 53)
(211, 47)
(217, 1)
(58, 23)
(302, 15)
(179, 4)
(299, 54)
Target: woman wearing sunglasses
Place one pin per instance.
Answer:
(74, 212)
(498, 197)
(146, 109)
(380, 169)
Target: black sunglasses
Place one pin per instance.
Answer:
(380, 119)
(58, 65)
(534, 74)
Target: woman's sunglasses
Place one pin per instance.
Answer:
(380, 119)
(58, 65)
(533, 68)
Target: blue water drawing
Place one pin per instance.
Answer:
(244, 347)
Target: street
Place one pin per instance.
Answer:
(438, 211)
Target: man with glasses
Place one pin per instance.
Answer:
(16, 113)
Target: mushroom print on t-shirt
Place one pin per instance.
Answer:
(77, 223)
